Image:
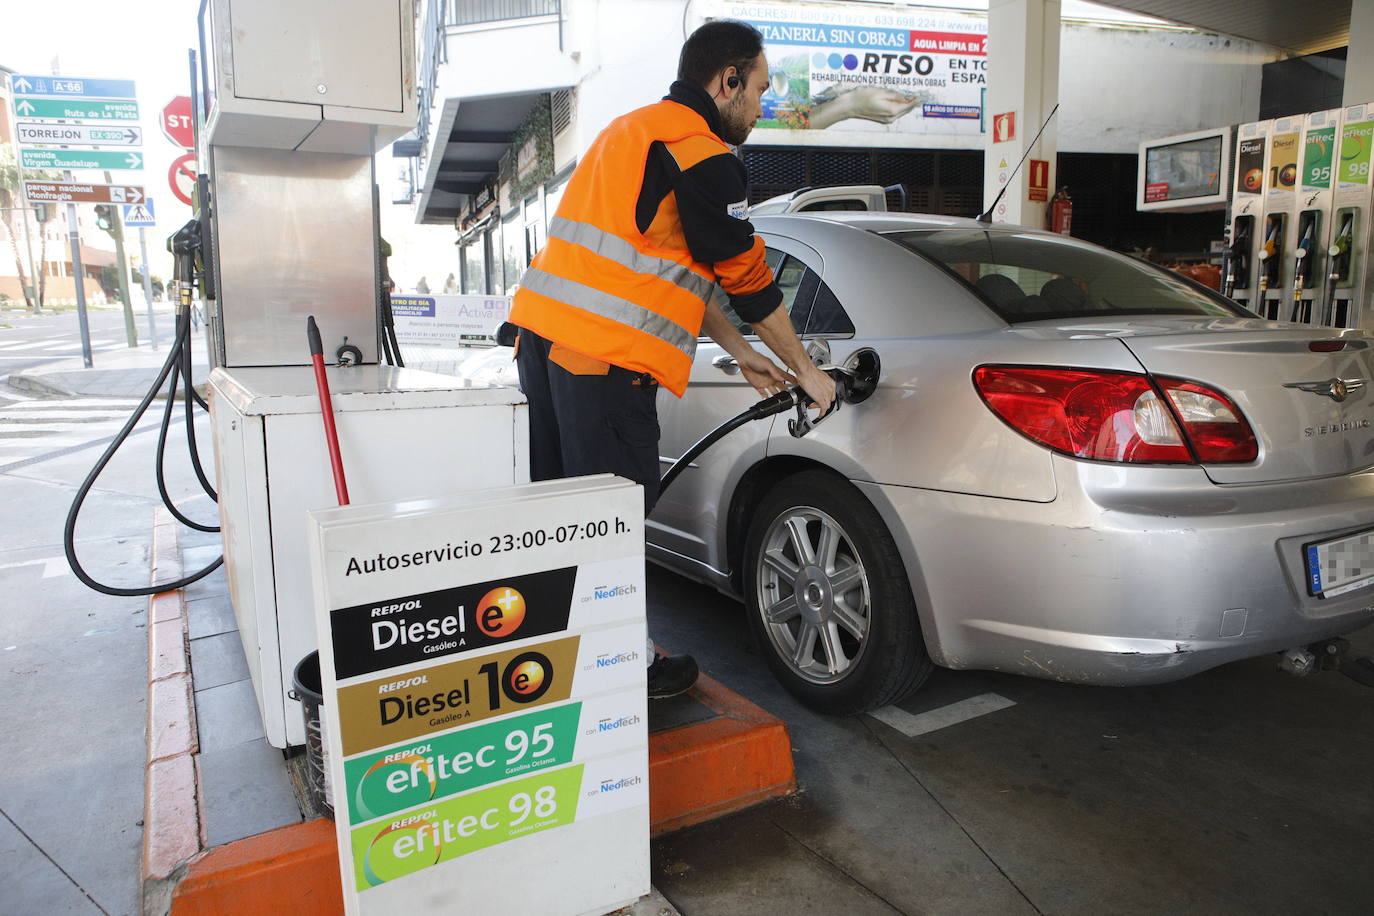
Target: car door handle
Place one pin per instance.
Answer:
(726, 363)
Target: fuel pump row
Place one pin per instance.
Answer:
(1299, 228)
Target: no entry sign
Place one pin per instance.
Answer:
(182, 177)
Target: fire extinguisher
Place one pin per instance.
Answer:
(1061, 213)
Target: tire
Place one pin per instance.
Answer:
(861, 644)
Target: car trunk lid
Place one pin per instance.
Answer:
(1308, 393)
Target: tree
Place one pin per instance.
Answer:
(9, 199)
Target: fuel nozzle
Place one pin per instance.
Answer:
(184, 245)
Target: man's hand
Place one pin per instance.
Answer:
(766, 376)
(819, 385)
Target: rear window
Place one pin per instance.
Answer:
(1032, 278)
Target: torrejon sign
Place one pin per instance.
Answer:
(75, 192)
(35, 132)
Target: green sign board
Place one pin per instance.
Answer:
(389, 849)
(1320, 152)
(75, 109)
(1355, 144)
(80, 159)
(412, 774)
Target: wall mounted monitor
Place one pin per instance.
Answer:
(1185, 172)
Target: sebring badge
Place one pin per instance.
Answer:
(1337, 389)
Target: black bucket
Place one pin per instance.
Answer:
(305, 684)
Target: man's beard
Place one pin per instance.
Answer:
(735, 125)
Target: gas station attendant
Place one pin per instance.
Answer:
(651, 230)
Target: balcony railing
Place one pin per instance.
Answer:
(441, 15)
(471, 12)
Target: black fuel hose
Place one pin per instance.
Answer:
(779, 403)
(177, 358)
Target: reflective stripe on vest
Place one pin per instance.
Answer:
(622, 252)
(613, 307)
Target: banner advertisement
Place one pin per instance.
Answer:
(447, 322)
(889, 70)
(483, 667)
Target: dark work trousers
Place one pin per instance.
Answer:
(589, 421)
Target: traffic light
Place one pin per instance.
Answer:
(40, 212)
(104, 216)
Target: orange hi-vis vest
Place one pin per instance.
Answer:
(599, 286)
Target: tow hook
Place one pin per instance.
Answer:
(1298, 662)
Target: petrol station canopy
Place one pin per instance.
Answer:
(1303, 28)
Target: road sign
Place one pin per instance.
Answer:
(139, 215)
(75, 109)
(182, 177)
(79, 159)
(73, 87)
(176, 122)
(76, 192)
(31, 132)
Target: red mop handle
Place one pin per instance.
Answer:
(331, 434)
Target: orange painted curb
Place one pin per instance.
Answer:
(705, 770)
(696, 773)
(292, 870)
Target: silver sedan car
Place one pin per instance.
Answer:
(1074, 466)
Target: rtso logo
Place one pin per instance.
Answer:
(524, 679)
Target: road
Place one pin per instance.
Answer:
(72, 660)
(28, 341)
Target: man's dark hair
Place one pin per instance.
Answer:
(716, 45)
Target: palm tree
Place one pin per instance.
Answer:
(9, 195)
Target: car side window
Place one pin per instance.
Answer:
(797, 282)
(827, 315)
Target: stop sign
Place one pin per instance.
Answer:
(176, 122)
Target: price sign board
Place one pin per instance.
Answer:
(483, 667)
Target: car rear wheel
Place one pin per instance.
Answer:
(829, 600)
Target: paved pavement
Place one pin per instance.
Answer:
(1239, 790)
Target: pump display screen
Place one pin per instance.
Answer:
(1180, 171)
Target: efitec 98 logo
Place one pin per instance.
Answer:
(400, 631)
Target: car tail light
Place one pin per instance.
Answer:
(1117, 416)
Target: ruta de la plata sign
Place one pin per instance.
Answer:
(483, 666)
(75, 109)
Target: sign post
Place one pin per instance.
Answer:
(484, 683)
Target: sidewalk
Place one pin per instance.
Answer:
(123, 373)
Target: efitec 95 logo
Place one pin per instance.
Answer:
(400, 631)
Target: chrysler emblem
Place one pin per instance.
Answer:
(1337, 389)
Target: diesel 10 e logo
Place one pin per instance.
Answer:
(400, 631)
(391, 710)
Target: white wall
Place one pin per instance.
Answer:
(1119, 86)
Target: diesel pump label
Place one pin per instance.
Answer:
(387, 634)
(429, 770)
(459, 693)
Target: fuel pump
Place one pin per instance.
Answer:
(1247, 207)
(1304, 262)
(1349, 269)
(1340, 254)
(1271, 265)
(1278, 254)
(1315, 189)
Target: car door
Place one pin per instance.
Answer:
(690, 516)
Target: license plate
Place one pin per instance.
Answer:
(1341, 565)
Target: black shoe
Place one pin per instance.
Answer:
(671, 675)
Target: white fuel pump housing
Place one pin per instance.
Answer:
(322, 76)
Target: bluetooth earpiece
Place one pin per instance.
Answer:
(732, 82)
